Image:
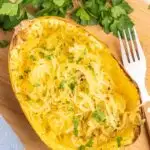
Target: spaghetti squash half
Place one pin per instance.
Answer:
(72, 90)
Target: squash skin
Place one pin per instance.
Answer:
(24, 25)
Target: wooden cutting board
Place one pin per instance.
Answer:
(10, 108)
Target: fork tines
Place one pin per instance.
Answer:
(130, 47)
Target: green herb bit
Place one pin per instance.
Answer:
(148, 6)
(72, 86)
(70, 109)
(119, 139)
(9, 9)
(90, 67)
(32, 58)
(99, 116)
(79, 60)
(59, 2)
(49, 57)
(76, 124)
(82, 147)
(41, 54)
(3, 43)
(82, 14)
(70, 58)
(62, 84)
(89, 143)
(21, 77)
(36, 85)
(27, 71)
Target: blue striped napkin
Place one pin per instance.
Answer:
(8, 139)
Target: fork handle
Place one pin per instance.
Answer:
(144, 93)
(145, 97)
(145, 103)
(146, 110)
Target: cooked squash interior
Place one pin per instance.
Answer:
(72, 90)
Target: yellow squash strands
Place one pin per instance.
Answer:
(73, 92)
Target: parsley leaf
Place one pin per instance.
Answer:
(116, 2)
(114, 27)
(59, 2)
(126, 7)
(109, 14)
(34, 3)
(92, 7)
(106, 22)
(117, 11)
(84, 17)
(112, 15)
(76, 124)
(89, 143)
(119, 139)
(9, 9)
(82, 14)
(124, 23)
(3, 43)
(99, 116)
(49, 57)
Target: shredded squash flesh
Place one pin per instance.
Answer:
(74, 93)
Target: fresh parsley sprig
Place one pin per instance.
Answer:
(12, 14)
(112, 15)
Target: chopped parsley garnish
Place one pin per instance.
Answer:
(72, 86)
(49, 57)
(119, 139)
(41, 54)
(99, 116)
(88, 144)
(90, 67)
(36, 85)
(27, 71)
(3, 43)
(79, 60)
(70, 109)
(82, 147)
(76, 124)
(21, 77)
(32, 58)
(70, 58)
(62, 84)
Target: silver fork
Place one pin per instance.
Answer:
(134, 62)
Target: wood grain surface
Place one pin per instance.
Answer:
(10, 108)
